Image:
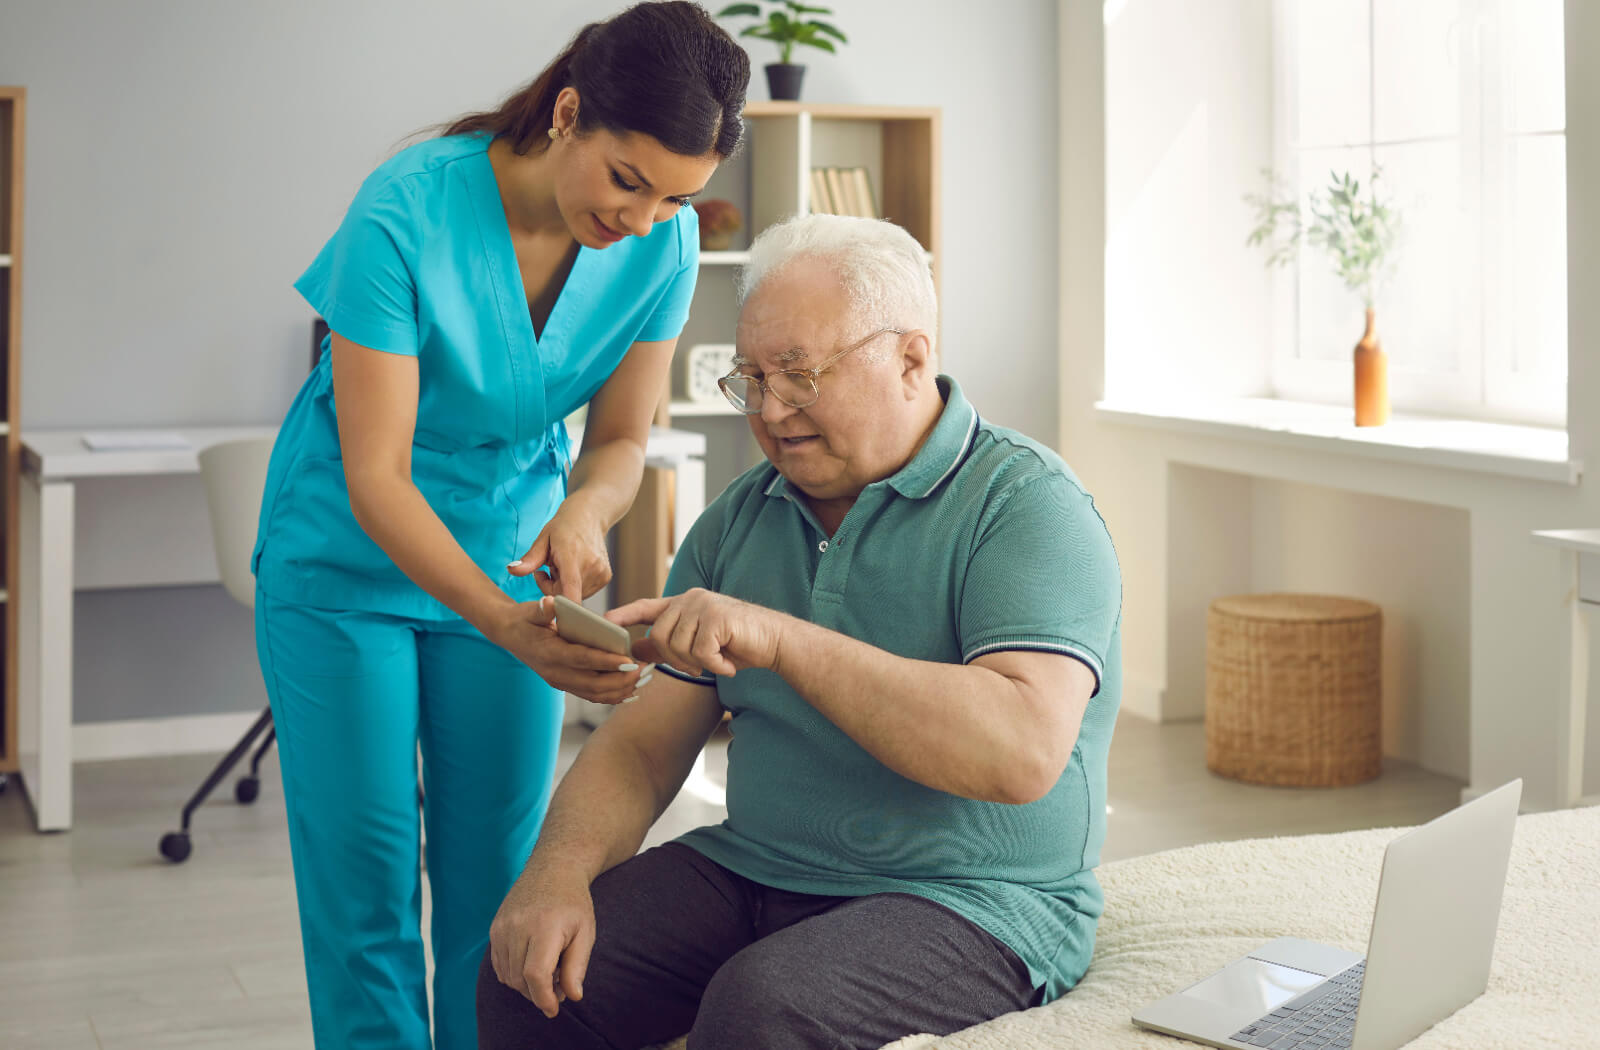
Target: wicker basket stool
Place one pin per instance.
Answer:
(1293, 689)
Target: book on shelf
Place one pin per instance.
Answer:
(836, 191)
(863, 187)
(821, 201)
(842, 191)
(852, 194)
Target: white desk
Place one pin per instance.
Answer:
(1580, 553)
(145, 525)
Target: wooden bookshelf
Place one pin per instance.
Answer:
(898, 146)
(769, 180)
(13, 104)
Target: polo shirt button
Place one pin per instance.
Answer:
(823, 546)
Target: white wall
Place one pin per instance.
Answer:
(187, 158)
(1240, 535)
(1189, 122)
(1508, 656)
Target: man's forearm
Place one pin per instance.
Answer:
(957, 728)
(601, 811)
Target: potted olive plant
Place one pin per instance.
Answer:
(787, 24)
(1359, 232)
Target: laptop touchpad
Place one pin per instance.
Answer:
(1250, 984)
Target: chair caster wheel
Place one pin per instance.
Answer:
(175, 846)
(247, 789)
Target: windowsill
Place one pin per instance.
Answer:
(1530, 453)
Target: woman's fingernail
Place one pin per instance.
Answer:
(631, 699)
(628, 667)
(513, 564)
(642, 680)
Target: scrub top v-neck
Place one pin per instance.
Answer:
(423, 266)
(558, 277)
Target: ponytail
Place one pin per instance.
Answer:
(662, 69)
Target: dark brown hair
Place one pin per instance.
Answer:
(660, 69)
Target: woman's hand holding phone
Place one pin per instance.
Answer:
(539, 635)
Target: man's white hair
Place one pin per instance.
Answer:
(882, 268)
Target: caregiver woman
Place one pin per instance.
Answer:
(483, 285)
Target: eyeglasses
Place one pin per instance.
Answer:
(795, 387)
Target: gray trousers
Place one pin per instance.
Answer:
(685, 945)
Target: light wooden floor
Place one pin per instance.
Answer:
(105, 946)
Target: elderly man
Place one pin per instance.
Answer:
(913, 617)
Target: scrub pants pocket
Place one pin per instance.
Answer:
(352, 694)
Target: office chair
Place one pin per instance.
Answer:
(234, 474)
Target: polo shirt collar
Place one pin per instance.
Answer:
(947, 446)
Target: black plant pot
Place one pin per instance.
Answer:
(783, 81)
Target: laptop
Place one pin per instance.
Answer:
(1427, 956)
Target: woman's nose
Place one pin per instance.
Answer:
(634, 221)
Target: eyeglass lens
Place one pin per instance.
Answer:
(792, 389)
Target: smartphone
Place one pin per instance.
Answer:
(583, 626)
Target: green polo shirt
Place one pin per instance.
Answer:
(984, 542)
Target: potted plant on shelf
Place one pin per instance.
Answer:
(719, 221)
(1359, 233)
(787, 24)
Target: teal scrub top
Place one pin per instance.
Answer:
(423, 266)
(984, 542)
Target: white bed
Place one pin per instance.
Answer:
(1174, 917)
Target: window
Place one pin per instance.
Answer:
(1460, 104)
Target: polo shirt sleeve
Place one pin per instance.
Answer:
(692, 567)
(362, 282)
(673, 309)
(1043, 577)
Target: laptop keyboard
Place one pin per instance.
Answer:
(1325, 1016)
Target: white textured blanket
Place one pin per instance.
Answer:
(1173, 917)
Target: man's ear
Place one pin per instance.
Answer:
(917, 366)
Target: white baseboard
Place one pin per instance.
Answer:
(151, 737)
(1470, 793)
(186, 735)
(1142, 697)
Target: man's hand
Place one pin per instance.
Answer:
(524, 630)
(540, 940)
(699, 631)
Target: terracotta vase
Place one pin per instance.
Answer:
(1372, 378)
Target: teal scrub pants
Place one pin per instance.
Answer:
(352, 695)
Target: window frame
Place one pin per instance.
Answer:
(1485, 385)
